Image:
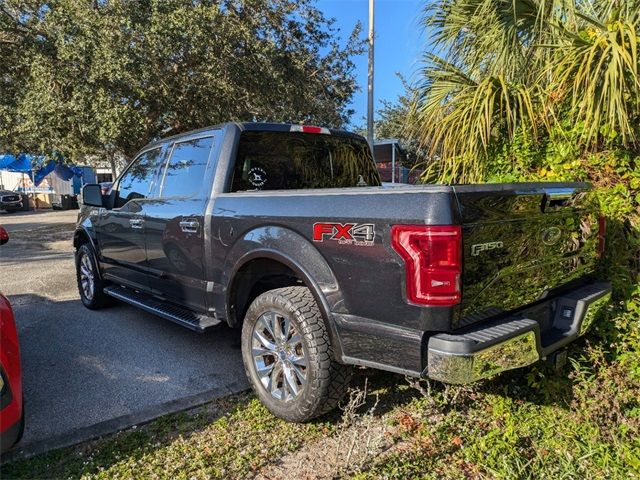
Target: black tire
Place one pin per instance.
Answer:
(326, 380)
(94, 298)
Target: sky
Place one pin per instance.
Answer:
(398, 45)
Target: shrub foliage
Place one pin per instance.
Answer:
(549, 90)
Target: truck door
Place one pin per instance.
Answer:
(175, 226)
(121, 229)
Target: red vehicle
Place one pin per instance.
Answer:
(11, 409)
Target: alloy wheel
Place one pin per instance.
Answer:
(87, 280)
(279, 356)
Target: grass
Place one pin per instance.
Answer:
(530, 423)
(533, 423)
(226, 439)
(495, 435)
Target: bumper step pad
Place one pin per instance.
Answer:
(164, 309)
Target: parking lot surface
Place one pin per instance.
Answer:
(89, 373)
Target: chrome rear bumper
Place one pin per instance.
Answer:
(515, 341)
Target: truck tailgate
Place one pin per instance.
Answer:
(522, 240)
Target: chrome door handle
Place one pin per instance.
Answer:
(136, 222)
(189, 226)
(98, 212)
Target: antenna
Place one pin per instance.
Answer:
(370, 84)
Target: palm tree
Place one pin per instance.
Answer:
(498, 68)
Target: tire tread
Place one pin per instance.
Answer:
(100, 299)
(330, 384)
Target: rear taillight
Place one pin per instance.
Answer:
(310, 129)
(433, 259)
(602, 234)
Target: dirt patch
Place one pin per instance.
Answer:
(333, 457)
(51, 237)
(361, 436)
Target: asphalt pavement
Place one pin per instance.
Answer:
(90, 373)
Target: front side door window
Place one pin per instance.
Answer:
(136, 182)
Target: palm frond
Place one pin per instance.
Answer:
(507, 67)
(457, 118)
(598, 68)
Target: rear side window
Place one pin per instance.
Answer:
(286, 161)
(136, 181)
(186, 168)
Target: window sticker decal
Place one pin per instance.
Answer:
(257, 177)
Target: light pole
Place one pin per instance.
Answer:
(370, 84)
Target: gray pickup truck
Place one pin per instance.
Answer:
(285, 232)
(10, 201)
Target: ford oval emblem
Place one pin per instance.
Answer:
(550, 236)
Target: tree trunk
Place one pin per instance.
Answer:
(112, 162)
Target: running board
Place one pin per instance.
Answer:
(187, 318)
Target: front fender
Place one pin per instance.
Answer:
(85, 230)
(85, 233)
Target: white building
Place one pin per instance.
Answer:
(21, 182)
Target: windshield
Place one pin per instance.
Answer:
(292, 160)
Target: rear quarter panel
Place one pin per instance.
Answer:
(363, 285)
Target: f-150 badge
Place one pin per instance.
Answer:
(483, 247)
(361, 234)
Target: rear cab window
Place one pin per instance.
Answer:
(184, 172)
(291, 160)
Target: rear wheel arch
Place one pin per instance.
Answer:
(257, 271)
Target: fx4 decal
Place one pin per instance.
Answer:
(360, 234)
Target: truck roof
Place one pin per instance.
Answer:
(247, 126)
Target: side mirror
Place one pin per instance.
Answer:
(4, 236)
(92, 195)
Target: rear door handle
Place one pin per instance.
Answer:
(189, 226)
(136, 222)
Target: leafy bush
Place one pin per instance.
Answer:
(537, 90)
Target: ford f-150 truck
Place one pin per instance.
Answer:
(285, 232)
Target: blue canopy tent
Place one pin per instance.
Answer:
(42, 172)
(6, 160)
(22, 164)
(37, 169)
(65, 172)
